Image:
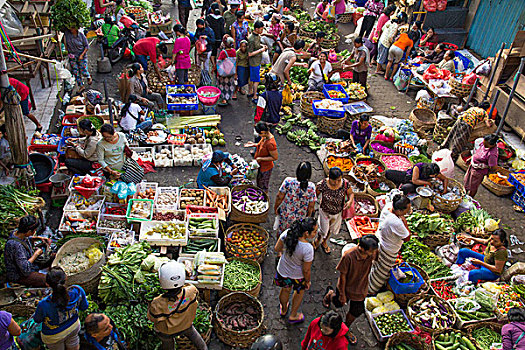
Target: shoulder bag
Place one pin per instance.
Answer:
(227, 66)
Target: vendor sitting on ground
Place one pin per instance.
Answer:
(314, 49)
(320, 73)
(85, 148)
(458, 137)
(138, 85)
(420, 175)
(489, 266)
(110, 150)
(20, 257)
(100, 333)
(448, 62)
(212, 173)
(359, 134)
(436, 55)
(320, 9)
(133, 117)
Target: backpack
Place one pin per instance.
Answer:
(227, 66)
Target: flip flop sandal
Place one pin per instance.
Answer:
(234, 98)
(340, 242)
(326, 249)
(328, 290)
(301, 320)
(238, 138)
(281, 311)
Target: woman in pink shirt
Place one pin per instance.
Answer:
(378, 29)
(340, 7)
(181, 54)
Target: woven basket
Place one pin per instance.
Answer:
(20, 310)
(305, 33)
(239, 216)
(378, 154)
(345, 18)
(372, 199)
(253, 253)
(326, 168)
(373, 193)
(447, 330)
(376, 123)
(394, 154)
(331, 44)
(451, 312)
(449, 205)
(357, 186)
(403, 299)
(238, 339)
(423, 119)
(492, 325)
(497, 189)
(138, 12)
(184, 343)
(253, 292)
(306, 102)
(375, 161)
(457, 87)
(407, 338)
(436, 240)
(87, 279)
(194, 75)
(329, 125)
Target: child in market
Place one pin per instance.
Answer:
(269, 103)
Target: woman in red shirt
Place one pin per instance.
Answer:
(227, 59)
(327, 332)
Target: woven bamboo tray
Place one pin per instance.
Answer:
(20, 310)
(372, 192)
(184, 343)
(436, 240)
(253, 292)
(330, 126)
(407, 338)
(239, 216)
(497, 189)
(305, 33)
(492, 325)
(403, 299)
(238, 339)
(449, 205)
(357, 186)
(450, 312)
(372, 199)
(345, 18)
(138, 12)
(457, 88)
(306, 102)
(326, 168)
(251, 253)
(87, 279)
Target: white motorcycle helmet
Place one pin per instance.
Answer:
(172, 275)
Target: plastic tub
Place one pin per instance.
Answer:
(406, 288)
(336, 87)
(208, 101)
(43, 166)
(327, 112)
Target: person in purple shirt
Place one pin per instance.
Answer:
(361, 132)
(420, 175)
(513, 333)
(8, 329)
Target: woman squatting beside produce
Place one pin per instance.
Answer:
(173, 312)
(58, 312)
(420, 175)
(86, 148)
(485, 158)
(294, 267)
(329, 331)
(393, 231)
(336, 196)
(513, 332)
(212, 173)
(490, 265)
(138, 85)
(20, 257)
(352, 285)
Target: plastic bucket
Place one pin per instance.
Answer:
(60, 180)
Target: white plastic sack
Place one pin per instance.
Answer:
(265, 58)
(422, 94)
(443, 158)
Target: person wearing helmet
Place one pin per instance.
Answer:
(270, 102)
(173, 312)
(267, 342)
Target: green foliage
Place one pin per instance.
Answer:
(69, 14)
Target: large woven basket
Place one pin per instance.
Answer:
(447, 330)
(255, 291)
(20, 310)
(403, 299)
(345, 18)
(436, 240)
(239, 216)
(184, 343)
(305, 33)
(329, 125)
(194, 75)
(357, 186)
(327, 168)
(492, 325)
(331, 44)
(378, 154)
(457, 88)
(449, 205)
(410, 339)
(250, 253)
(306, 102)
(87, 279)
(374, 193)
(382, 157)
(372, 199)
(423, 119)
(497, 189)
(450, 312)
(297, 4)
(238, 339)
(138, 12)
(461, 160)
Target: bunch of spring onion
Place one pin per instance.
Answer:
(14, 203)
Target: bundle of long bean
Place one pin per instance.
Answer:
(485, 337)
(239, 275)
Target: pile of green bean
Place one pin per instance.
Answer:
(241, 276)
(485, 337)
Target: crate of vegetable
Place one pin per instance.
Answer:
(163, 233)
(448, 339)
(113, 209)
(242, 275)
(365, 205)
(249, 204)
(144, 153)
(147, 190)
(195, 209)
(406, 341)
(247, 241)
(335, 92)
(120, 239)
(238, 319)
(78, 222)
(163, 156)
(139, 210)
(518, 180)
(203, 225)
(360, 226)
(169, 215)
(107, 224)
(485, 334)
(396, 161)
(386, 324)
(76, 201)
(472, 309)
(507, 299)
(219, 197)
(329, 108)
(195, 245)
(430, 313)
(434, 230)
(191, 197)
(167, 198)
(182, 102)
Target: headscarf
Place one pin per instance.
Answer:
(216, 157)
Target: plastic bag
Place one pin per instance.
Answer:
(385, 297)
(287, 95)
(401, 79)
(391, 306)
(466, 305)
(443, 158)
(372, 302)
(483, 68)
(276, 222)
(469, 78)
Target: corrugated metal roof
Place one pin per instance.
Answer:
(496, 21)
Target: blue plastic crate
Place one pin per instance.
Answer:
(62, 145)
(194, 88)
(520, 187)
(519, 199)
(338, 87)
(327, 112)
(183, 106)
(406, 288)
(64, 130)
(466, 62)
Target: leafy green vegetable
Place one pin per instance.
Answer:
(67, 14)
(415, 252)
(419, 159)
(425, 225)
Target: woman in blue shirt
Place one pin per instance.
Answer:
(212, 174)
(58, 312)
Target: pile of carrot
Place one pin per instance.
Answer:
(365, 226)
(215, 200)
